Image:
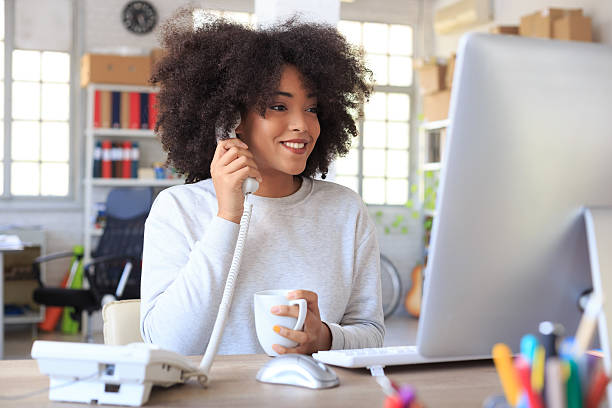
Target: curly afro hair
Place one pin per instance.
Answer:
(211, 72)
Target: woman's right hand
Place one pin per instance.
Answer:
(231, 165)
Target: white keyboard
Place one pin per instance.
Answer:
(382, 356)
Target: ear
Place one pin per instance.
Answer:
(239, 128)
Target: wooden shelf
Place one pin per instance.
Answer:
(118, 182)
(107, 132)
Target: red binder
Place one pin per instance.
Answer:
(134, 110)
(107, 169)
(97, 122)
(126, 166)
(152, 110)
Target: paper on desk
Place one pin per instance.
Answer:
(10, 242)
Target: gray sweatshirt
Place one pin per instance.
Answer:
(320, 239)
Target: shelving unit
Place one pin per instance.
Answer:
(96, 189)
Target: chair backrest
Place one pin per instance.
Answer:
(122, 322)
(126, 212)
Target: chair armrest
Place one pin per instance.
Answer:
(103, 259)
(47, 258)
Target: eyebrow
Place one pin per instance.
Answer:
(311, 95)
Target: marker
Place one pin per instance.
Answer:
(529, 343)
(537, 369)
(598, 389)
(549, 333)
(502, 357)
(555, 383)
(574, 394)
(524, 375)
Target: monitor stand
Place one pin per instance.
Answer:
(599, 238)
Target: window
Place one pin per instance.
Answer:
(40, 131)
(377, 165)
(1, 97)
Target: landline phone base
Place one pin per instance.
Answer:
(114, 375)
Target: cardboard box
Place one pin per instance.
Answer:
(115, 69)
(156, 55)
(573, 27)
(432, 76)
(505, 29)
(541, 24)
(450, 70)
(435, 105)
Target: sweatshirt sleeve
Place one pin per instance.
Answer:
(182, 278)
(362, 325)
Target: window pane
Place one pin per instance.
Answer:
(378, 65)
(400, 40)
(56, 67)
(54, 179)
(1, 178)
(1, 97)
(400, 71)
(375, 38)
(347, 181)
(397, 163)
(26, 100)
(398, 135)
(348, 165)
(374, 162)
(351, 30)
(25, 178)
(397, 191)
(55, 142)
(374, 190)
(25, 141)
(26, 65)
(55, 101)
(374, 133)
(376, 107)
(1, 144)
(399, 106)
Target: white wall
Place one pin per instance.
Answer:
(509, 13)
(101, 30)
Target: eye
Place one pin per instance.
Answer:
(278, 107)
(313, 109)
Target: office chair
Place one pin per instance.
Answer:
(122, 322)
(114, 271)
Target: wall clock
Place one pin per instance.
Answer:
(139, 16)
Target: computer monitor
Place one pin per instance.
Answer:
(529, 145)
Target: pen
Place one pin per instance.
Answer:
(524, 375)
(529, 343)
(550, 332)
(587, 324)
(502, 357)
(597, 390)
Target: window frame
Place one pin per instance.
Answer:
(412, 149)
(71, 201)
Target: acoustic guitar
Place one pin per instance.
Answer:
(412, 301)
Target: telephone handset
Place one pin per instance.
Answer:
(250, 185)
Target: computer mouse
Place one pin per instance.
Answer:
(299, 370)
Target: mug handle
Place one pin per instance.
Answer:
(301, 314)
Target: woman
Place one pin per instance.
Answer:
(294, 86)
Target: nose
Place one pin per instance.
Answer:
(297, 122)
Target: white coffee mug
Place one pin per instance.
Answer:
(265, 320)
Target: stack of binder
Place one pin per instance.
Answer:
(125, 110)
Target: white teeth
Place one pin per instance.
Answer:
(294, 145)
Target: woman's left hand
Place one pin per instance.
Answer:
(314, 336)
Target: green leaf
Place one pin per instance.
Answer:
(414, 188)
(387, 230)
(404, 230)
(409, 204)
(415, 215)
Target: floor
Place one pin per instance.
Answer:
(400, 330)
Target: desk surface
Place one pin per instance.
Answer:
(464, 384)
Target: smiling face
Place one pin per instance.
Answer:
(284, 137)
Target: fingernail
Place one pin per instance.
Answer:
(276, 329)
(275, 309)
